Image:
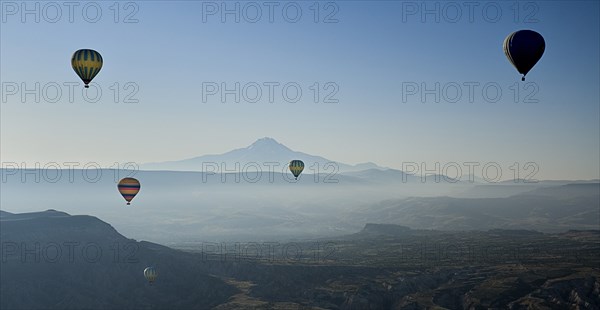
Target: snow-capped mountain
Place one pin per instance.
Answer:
(263, 152)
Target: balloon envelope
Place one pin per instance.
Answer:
(150, 274)
(129, 187)
(296, 167)
(86, 63)
(524, 48)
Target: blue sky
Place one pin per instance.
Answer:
(372, 51)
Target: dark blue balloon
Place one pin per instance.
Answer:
(524, 48)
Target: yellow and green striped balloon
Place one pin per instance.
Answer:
(86, 63)
(150, 274)
(296, 166)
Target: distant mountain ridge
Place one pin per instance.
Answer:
(546, 209)
(4, 213)
(264, 150)
(32, 215)
(374, 229)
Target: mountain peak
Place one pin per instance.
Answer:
(266, 140)
(267, 143)
(265, 149)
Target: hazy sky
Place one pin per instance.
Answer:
(367, 55)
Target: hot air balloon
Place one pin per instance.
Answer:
(150, 274)
(523, 49)
(296, 166)
(86, 63)
(129, 187)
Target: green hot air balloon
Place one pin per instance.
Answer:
(150, 274)
(524, 48)
(296, 166)
(86, 63)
